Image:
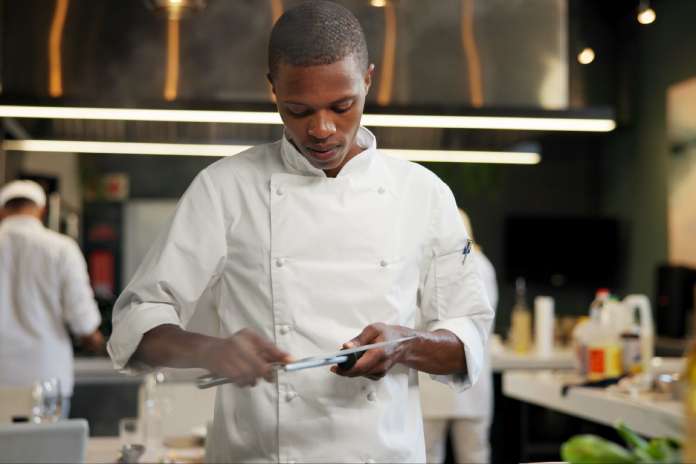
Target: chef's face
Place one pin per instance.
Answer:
(321, 107)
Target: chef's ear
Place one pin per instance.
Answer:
(270, 81)
(368, 77)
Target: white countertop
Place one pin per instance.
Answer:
(645, 414)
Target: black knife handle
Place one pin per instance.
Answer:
(350, 362)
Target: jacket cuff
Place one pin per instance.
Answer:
(129, 330)
(467, 333)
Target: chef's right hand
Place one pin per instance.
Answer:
(244, 357)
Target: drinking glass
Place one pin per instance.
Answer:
(47, 400)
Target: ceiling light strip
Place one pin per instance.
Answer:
(491, 122)
(263, 117)
(132, 148)
(465, 156)
(123, 148)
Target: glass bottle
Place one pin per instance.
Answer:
(521, 327)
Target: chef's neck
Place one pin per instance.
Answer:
(29, 210)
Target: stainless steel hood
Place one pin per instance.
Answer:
(435, 53)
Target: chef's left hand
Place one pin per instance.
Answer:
(374, 364)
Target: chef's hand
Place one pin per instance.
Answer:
(93, 342)
(374, 364)
(244, 357)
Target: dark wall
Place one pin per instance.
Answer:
(565, 183)
(635, 160)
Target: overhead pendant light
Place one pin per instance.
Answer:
(586, 55)
(378, 3)
(646, 15)
(181, 149)
(531, 123)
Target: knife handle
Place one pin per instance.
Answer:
(350, 362)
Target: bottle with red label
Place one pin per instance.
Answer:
(604, 347)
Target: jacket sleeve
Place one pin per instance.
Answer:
(80, 311)
(452, 294)
(182, 263)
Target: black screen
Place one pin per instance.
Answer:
(562, 250)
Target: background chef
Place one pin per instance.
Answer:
(44, 292)
(466, 415)
(308, 242)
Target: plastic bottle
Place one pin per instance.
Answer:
(637, 340)
(586, 328)
(640, 356)
(604, 350)
(521, 327)
(601, 297)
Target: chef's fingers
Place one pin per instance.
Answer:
(240, 371)
(272, 354)
(371, 334)
(246, 362)
(365, 365)
(267, 349)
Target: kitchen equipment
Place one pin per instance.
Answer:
(621, 317)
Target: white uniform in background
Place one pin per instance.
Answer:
(43, 286)
(468, 413)
(309, 261)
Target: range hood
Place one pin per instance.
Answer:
(446, 54)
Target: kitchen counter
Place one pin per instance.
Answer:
(100, 370)
(644, 413)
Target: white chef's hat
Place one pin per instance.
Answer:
(23, 189)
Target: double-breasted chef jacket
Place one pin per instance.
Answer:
(309, 261)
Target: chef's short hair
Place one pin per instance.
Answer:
(316, 33)
(18, 204)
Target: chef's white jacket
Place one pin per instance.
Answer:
(309, 261)
(439, 402)
(43, 286)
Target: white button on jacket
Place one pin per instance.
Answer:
(332, 234)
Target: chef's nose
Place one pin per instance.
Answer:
(321, 126)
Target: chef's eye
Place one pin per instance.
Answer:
(298, 110)
(343, 108)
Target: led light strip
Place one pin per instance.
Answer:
(131, 148)
(465, 156)
(123, 148)
(261, 117)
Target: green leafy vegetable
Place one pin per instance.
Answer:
(592, 449)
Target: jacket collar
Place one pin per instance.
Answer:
(21, 221)
(360, 164)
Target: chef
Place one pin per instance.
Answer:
(311, 243)
(44, 295)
